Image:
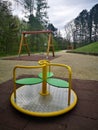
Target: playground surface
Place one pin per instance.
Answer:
(83, 66)
(85, 83)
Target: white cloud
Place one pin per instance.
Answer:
(63, 11)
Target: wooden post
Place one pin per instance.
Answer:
(23, 43)
(50, 45)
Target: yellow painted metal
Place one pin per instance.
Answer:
(22, 67)
(41, 62)
(69, 78)
(44, 84)
(44, 64)
(45, 114)
(14, 79)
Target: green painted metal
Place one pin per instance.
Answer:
(29, 81)
(58, 82)
(49, 75)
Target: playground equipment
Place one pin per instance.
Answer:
(49, 74)
(24, 43)
(43, 96)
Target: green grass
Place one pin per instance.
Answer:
(91, 49)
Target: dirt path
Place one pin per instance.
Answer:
(83, 66)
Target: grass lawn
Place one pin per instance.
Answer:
(91, 49)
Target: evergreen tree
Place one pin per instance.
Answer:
(94, 22)
(38, 6)
(81, 24)
(41, 12)
(86, 26)
(27, 4)
(8, 28)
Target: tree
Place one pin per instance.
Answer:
(28, 5)
(8, 27)
(52, 28)
(81, 25)
(94, 22)
(85, 27)
(37, 9)
(70, 34)
(41, 12)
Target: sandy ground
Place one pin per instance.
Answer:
(83, 67)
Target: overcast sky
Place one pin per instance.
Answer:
(63, 11)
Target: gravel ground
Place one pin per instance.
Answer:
(83, 67)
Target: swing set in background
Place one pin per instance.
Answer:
(24, 43)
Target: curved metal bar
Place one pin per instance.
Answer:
(70, 77)
(22, 67)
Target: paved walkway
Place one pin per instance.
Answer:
(83, 66)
